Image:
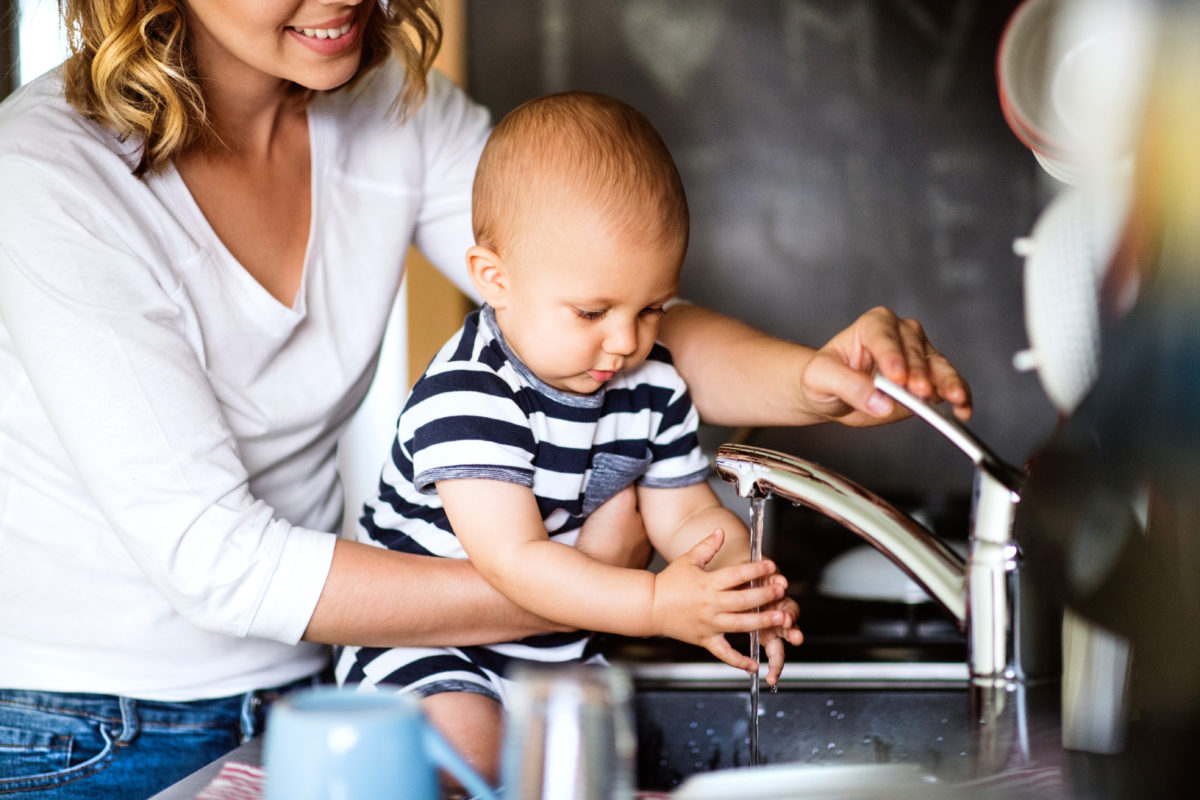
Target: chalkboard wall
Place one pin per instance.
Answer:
(837, 154)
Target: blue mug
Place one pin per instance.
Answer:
(334, 743)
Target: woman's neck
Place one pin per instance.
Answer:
(248, 124)
(252, 183)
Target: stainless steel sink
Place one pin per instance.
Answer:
(695, 717)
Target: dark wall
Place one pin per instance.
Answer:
(8, 47)
(837, 154)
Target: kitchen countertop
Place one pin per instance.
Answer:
(1021, 757)
(192, 785)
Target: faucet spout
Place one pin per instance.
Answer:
(984, 594)
(1010, 630)
(935, 567)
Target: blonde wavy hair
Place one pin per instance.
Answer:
(131, 68)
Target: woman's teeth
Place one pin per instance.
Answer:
(325, 33)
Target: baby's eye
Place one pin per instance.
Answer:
(656, 311)
(589, 315)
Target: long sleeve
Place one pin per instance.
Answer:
(105, 345)
(168, 430)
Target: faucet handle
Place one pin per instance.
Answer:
(979, 453)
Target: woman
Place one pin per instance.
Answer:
(202, 228)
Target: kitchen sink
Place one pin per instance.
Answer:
(694, 717)
(882, 683)
(838, 704)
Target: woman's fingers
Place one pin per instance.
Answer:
(838, 379)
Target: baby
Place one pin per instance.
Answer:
(551, 400)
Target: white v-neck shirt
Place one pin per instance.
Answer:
(168, 429)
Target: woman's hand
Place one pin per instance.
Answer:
(837, 381)
(737, 375)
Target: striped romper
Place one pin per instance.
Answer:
(478, 412)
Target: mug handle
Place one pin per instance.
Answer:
(445, 756)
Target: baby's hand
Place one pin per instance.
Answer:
(700, 607)
(772, 639)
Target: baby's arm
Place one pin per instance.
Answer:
(500, 527)
(677, 518)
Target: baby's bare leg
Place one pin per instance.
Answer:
(473, 725)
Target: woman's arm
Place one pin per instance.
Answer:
(741, 376)
(377, 597)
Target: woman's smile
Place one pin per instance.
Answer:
(329, 38)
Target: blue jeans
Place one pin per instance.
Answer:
(65, 746)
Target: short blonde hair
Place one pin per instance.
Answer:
(131, 68)
(592, 145)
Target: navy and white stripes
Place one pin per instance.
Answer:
(478, 412)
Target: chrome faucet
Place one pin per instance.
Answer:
(984, 593)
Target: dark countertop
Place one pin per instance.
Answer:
(898, 711)
(819, 719)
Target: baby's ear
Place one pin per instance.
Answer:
(489, 274)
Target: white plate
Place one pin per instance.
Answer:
(864, 573)
(812, 782)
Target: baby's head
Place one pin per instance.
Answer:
(584, 150)
(581, 225)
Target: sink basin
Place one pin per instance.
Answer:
(692, 719)
(695, 718)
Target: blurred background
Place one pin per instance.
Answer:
(837, 154)
(1022, 177)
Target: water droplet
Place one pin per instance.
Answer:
(699, 765)
(831, 746)
(816, 750)
(840, 753)
(841, 716)
(833, 715)
(691, 743)
(693, 725)
(828, 703)
(944, 720)
(778, 715)
(941, 738)
(709, 732)
(775, 689)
